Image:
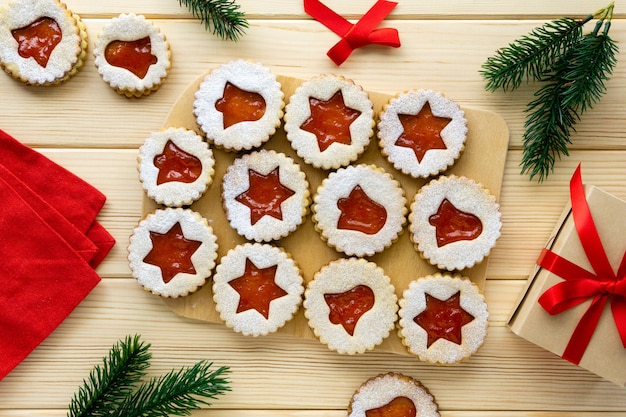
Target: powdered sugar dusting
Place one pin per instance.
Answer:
(435, 160)
(288, 277)
(379, 391)
(65, 56)
(468, 196)
(380, 187)
(413, 302)
(373, 326)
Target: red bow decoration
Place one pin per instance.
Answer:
(356, 35)
(580, 284)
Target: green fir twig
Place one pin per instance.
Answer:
(111, 382)
(574, 68)
(221, 17)
(113, 389)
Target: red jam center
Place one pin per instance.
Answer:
(361, 213)
(175, 164)
(422, 132)
(257, 288)
(239, 105)
(330, 121)
(134, 56)
(443, 319)
(398, 407)
(38, 39)
(265, 195)
(171, 252)
(346, 308)
(452, 224)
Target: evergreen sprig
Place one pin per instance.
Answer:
(114, 390)
(222, 17)
(573, 66)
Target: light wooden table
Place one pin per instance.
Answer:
(86, 127)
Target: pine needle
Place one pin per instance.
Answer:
(114, 380)
(175, 393)
(222, 17)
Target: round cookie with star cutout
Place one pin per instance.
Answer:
(265, 195)
(443, 318)
(257, 288)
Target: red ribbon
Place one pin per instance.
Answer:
(580, 285)
(356, 35)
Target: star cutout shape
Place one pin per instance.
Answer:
(265, 195)
(172, 252)
(422, 132)
(443, 319)
(257, 288)
(330, 121)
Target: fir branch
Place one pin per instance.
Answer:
(114, 380)
(577, 84)
(222, 17)
(175, 393)
(529, 56)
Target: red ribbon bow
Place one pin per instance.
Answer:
(356, 35)
(580, 284)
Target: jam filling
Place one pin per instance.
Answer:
(38, 39)
(346, 308)
(257, 288)
(452, 224)
(443, 319)
(265, 195)
(422, 132)
(398, 407)
(360, 213)
(171, 252)
(330, 121)
(134, 56)
(175, 164)
(239, 105)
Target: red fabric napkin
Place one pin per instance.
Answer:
(51, 244)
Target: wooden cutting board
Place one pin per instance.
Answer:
(482, 160)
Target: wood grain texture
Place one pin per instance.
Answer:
(86, 127)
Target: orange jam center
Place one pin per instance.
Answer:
(422, 132)
(346, 308)
(398, 407)
(265, 195)
(360, 213)
(38, 39)
(257, 288)
(134, 56)
(171, 252)
(452, 224)
(443, 319)
(175, 164)
(239, 105)
(330, 121)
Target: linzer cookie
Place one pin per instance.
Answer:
(454, 222)
(351, 305)
(175, 166)
(172, 252)
(329, 121)
(239, 105)
(132, 55)
(443, 318)
(392, 395)
(422, 133)
(359, 210)
(41, 41)
(257, 288)
(266, 195)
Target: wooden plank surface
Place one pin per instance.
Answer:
(86, 127)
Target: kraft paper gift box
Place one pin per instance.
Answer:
(588, 321)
